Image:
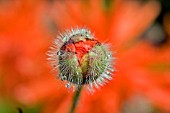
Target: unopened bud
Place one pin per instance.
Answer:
(81, 59)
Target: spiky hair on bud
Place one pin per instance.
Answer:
(81, 60)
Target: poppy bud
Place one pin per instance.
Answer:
(81, 59)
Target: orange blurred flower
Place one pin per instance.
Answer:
(26, 33)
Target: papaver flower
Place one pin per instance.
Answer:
(26, 74)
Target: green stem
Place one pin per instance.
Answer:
(75, 100)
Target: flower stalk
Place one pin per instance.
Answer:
(75, 100)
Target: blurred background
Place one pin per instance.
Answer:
(138, 31)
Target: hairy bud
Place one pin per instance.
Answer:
(81, 59)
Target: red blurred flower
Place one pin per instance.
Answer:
(26, 31)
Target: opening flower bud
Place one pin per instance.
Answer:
(81, 59)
